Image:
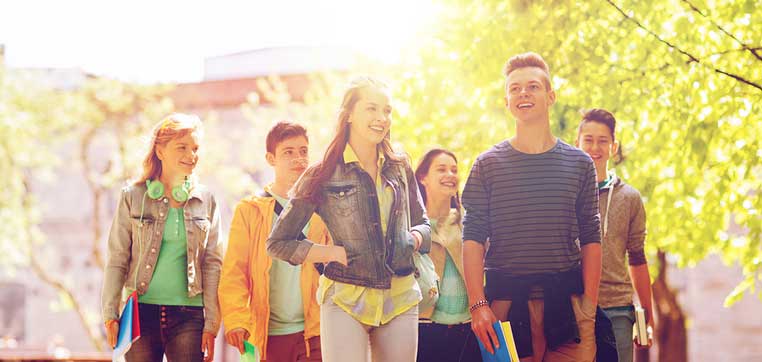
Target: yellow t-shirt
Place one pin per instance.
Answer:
(373, 306)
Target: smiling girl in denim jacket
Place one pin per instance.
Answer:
(368, 197)
(163, 243)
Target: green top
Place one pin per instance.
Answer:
(452, 306)
(605, 182)
(169, 283)
(286, 309)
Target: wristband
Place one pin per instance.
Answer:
(478, 305)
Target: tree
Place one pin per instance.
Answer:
(684, 79)
(101, 121)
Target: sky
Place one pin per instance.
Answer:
(167, 41)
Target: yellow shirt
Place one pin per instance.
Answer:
(371, 306)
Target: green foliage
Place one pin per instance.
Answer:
(684, 79)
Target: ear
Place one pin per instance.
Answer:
(551, 97)
(576, 142)
(425, 181)
(270, 157)
(614, 148)
(507, 102)
(159, 152)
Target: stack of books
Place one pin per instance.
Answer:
(640, 328)
(506, 350)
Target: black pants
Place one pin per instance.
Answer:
(445, 343)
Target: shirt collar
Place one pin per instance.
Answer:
(350, 156)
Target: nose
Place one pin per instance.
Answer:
(299, 161)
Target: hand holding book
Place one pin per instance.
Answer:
(505, 349)
(642, 330)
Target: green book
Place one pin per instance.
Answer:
(251, 354)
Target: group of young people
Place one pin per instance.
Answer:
(320, 264)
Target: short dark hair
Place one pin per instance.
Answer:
(527, 60)
(282, 131)
(601, 116)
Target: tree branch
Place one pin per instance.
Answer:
(58, 285)
(97, 192)
(753, 51)
(690, 56)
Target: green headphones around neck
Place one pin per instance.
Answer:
(155, 190)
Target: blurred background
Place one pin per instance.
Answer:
(82, 82)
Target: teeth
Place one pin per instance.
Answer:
(380, 129)
(525, 105)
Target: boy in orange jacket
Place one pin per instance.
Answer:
(267, 301)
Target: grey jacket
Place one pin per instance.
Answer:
(623, 221)
(350, 211)
(132, 241)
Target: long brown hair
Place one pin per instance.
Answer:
(423, 169)
(314, 177)
(175, 125)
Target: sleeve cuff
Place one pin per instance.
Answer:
(300, 253)
(636, 257)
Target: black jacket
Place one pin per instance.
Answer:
(560, 325)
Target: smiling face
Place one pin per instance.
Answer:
(596, 140)
(290, 158)
(179, 157)
(442, 176)
(528, 95)
(370, 119)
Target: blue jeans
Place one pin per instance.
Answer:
(622, 319)
(171, 330)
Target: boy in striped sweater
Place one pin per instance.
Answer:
(533, 196)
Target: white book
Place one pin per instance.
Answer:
(640, 328)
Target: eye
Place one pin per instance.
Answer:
(534, 87)
(372, 108)
(513, 90)
(289, 152)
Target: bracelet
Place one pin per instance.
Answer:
(478, 305)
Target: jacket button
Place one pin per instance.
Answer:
(165, 200)
(341, 193)
(153, 250)
(148, 266)
(161, 214)
(142, 284)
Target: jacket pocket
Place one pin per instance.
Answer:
(200, 230)
(141, 230)
(341, 199)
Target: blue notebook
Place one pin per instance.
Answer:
(506, 351)
(129, 328)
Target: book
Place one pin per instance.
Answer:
(506, 351)
(251, 353)
(640, 327)
(129, 328)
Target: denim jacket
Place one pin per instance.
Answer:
(350, 211)
(131, 242)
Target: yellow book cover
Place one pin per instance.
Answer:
(508, 333)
